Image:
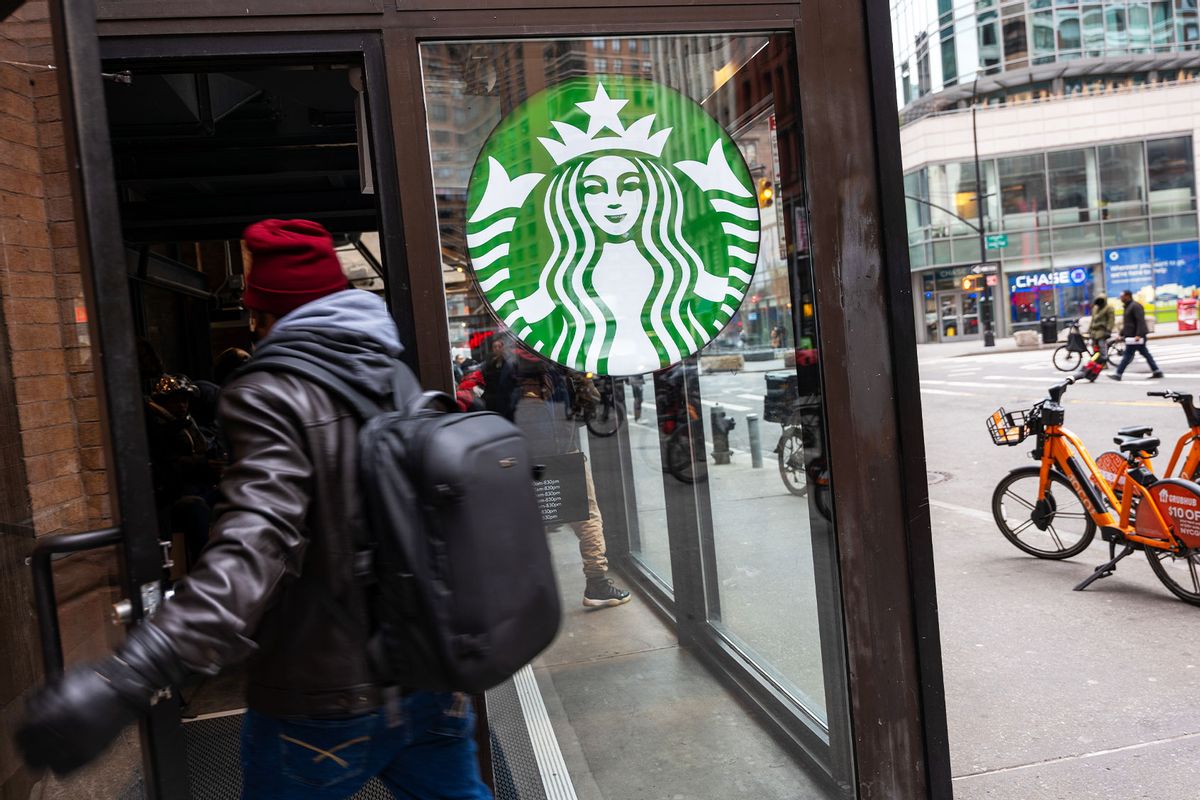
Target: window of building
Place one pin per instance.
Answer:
(1187, 29)
(989, 43)
(1074, 186)
(438, 113)
(1016, 44)
(1116, 33)
(1172, 175)
(600, 65)
(1139, 27)
(1122, 180)
(618, 65)
(633, 45)
(1043, 37)
(1162, 25)
(1093, 31)
(1023, 191)
(1070, 39)
(949, 58)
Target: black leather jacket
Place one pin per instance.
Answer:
(276, 581)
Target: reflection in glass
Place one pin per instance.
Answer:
(1122, 180)
(672, 495)
(1023, 191)
(1074, 185)
(1172, 175)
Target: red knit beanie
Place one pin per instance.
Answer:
(293, 263)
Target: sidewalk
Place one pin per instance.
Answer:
(974, 347)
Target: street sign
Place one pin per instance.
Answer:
(997, 241)
(990, 268)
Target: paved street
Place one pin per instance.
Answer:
(1054, 693)
(1051, 693)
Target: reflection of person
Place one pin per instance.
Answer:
(278, 584)
(626, 276)
(1134, 329)
(541, 414)
(500, 379)
(638, 384)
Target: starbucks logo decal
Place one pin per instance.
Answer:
(612, 225)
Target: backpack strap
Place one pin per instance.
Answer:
(407, 394)
(362, 405)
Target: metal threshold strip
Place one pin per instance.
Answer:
(528, 763)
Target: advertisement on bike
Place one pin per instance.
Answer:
(1179, 504)
(1112, 468)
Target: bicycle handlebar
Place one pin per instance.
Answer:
(1059, 389)
(1184, 399)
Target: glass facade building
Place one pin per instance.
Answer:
(942, 44)
(1078, 212)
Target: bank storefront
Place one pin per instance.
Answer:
(610, 200)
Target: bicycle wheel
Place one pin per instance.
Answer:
(607, 420)
(791, 463)
(1066, 360)
(678, 455)
(1057, 526)
(1116, 348)
(1179, 573)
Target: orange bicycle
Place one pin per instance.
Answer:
(1052, 510)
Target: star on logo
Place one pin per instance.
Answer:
(602, 112)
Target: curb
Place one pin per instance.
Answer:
(991, 351)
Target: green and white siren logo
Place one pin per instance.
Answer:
(623, 239)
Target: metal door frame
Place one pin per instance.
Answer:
(862, 283)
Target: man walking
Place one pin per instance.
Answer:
(276, 584)
(1134, 330)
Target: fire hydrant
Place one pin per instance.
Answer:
(721, 426)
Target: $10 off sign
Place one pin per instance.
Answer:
(612, 225)
(1180, 505)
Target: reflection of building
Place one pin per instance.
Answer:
(1086, 139)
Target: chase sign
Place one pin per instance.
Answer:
(1032, 281)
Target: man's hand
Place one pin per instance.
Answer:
(72, 720)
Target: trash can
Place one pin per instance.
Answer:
(1050, 330)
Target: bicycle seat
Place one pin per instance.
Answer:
(1136, 430)
(1149, 444)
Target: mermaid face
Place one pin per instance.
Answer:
(613, 194)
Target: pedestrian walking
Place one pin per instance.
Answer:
(1134, 330)
(277, 583)
(1104, 319)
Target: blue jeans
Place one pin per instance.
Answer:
(1127, 359)
(424, 751)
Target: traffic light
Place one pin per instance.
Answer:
(766, 192)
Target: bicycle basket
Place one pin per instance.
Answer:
(1011, 427)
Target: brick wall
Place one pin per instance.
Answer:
(52, 476)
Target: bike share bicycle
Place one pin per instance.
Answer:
(1053, 510)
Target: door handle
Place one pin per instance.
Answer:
(43, 586)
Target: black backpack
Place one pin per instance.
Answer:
(462, 583)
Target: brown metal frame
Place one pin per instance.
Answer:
(860, 271)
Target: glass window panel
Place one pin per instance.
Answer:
(1116, 34)
(1093, 30)
(1016, 45)
(1139, 27)
(918, 256)
(1182, 226)
(1023, 191)
(989, 44)
(963, 250)
(1078, 237)
(1074, 186)
(1162, 24)
(949, 58)
(1043, 36)
(1132, 232)
(1122, 180)
(941, 252)
(665, 501)
(1069, 37)
(1172, 175)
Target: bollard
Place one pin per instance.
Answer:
(755, 441)
(721, 426)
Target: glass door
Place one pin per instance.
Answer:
(949, 315)
(969, 303)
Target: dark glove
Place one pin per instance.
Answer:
(75, 717)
